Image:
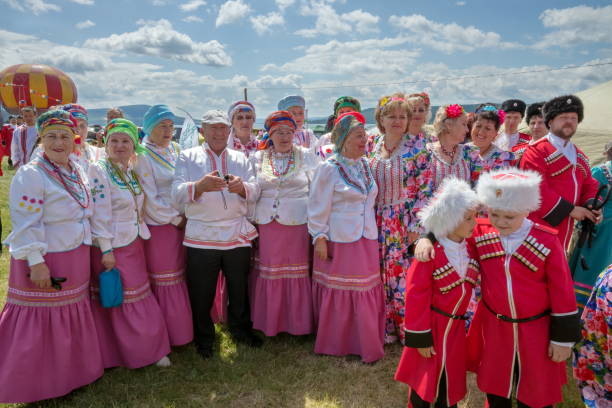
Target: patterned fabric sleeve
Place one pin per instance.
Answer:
(26, 198)
(472, 156)
(592, 362)
(423, 187)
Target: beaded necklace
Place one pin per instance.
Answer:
(288, 167)
(128, 184)
(73, 193)
(348, 179)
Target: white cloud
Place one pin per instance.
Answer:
(232, 11)
(371, 59)
(83, 2)
(193, 19)
(283, 4)
(329, 22)
(85, 24)
(448, 38)
(575, 26)
(263, 23)
(460, 3)
(35, 6)
(159, 39)
(192, 5)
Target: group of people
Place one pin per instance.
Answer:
(363, 239)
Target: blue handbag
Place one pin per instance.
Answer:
(111, 288)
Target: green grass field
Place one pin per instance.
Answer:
(284, 373)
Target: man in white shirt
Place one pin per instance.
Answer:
(24, 138)
(213, 184)
(510, 137)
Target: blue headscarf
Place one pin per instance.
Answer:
(154, 115)
(291, 100)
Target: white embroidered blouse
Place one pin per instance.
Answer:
(46, 216)
(283, 182)
(341, 201)
(117, 219)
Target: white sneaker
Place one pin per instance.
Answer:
(164, 362)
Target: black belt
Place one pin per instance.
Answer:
(452, 316)
(511, 320)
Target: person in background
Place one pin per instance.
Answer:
(25, 138)
(348, 296)
(487, 120)
(421, 113)
(85, 153)
(164, 251)
(342, 105)
(213, 184)
(296, 105)
(242, 118)
(568, 188)
(514, 110)
(19, 120)
(537, 128)
(49, 344)
(449, 156)
(134, 334)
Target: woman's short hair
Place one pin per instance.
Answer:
(389, 103)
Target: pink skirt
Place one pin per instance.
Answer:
(349, 306)
(218, 312)
(282, 293)
(48, 341)
(134, 334)
(165, 256)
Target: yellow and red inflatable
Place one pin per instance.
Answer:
(35, 85)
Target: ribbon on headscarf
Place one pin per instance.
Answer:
(53, 119)
(274, 120)
(343, 126)
(291, 100)
(347, 101)
(240, 106)
(77, 111)
(121, 125)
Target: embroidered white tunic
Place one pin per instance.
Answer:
(22, 150)
(116, 222)
(45, 216)
(216, 219)
(283, 198)
(155, 170)
(89, 155)
(341, 201)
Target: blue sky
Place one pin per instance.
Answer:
(199, 55)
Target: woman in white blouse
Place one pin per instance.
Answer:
(48, 340)
(348, 294)
(134, 334)
(164, 251)
(282, 295)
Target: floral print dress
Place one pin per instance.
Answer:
(404, 186)
(592, 361)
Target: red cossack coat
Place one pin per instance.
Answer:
(532, 280)
(436, 283)
(563, 186)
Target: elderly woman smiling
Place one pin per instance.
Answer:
(48, 344)
(282, 296)
(134, 334)
(347, 288)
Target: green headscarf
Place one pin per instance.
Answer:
(121, 125)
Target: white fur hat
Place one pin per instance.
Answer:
(510, 190)
(446, 209)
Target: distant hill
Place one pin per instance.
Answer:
(135, 113)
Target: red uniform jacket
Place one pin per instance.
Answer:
(437, 284)
(563, 186)
(524, 138)
(519, 150)
(532, 280)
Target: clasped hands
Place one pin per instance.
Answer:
(212, 182)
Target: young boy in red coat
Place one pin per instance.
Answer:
(527, 320)
(438, 293)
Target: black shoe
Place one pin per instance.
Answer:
(249, 338)
(205, 352)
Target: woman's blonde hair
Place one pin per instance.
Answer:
(387, 104)
(442, 122)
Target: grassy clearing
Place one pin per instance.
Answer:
(284, 373)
